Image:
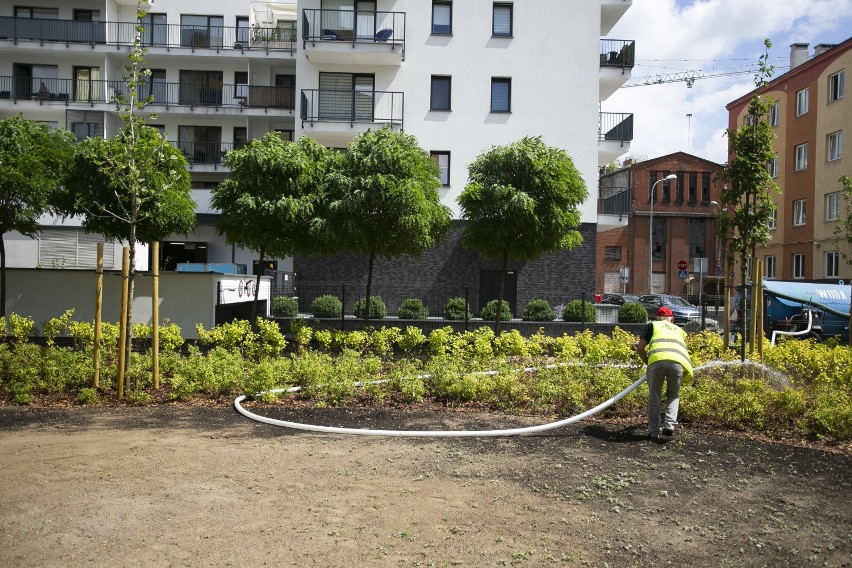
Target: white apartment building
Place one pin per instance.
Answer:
(459, 75)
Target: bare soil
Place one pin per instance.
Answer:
(182, 486)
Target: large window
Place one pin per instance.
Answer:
(769, 267)
(705, 187)
(652, 180)
(800, 213)
(832, 264)
(772, 224)
(442, 18)
(442, 160)
(39, 13)
(201, 31)
(201, 144)
(775, 114)
(678, 187)
(802, 102)
(439, 98)
(502, 22)
(835, 145)
(200, 88)
(798, 265)
(692, 196)
(772, 166)
(154, 29)
(835, 87)
(832, 206)
(501, 94)
(346, 96)
(801, 162)
(659, 238)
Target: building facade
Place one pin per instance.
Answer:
(809, 115)
(683, 212)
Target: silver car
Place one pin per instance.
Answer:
(682, 310)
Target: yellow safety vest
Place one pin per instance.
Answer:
(668, 343)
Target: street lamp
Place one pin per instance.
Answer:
(651, 231)
(718, 254)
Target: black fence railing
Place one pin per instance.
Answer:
(354, 26)
(618, 53)
(618, 203)
(616, 126)
(210, 153)
(153, 35)
(169, 94)
(353, 106)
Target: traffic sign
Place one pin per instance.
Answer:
(682, 274)
(682, 265)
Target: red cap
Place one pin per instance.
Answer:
(664, 311)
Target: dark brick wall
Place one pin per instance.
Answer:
(445, 271)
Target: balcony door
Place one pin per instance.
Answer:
(87, 85)
(201, 31)
(346, 96)
(201, 144)
(200, 88)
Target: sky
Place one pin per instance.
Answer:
(682, 35)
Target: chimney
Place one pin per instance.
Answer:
(821, 48)
(798, 54)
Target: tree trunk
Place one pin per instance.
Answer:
(2, 277)
(131, 273)
(500, 292)
(742, 308)
(369, 289)
(257, 288)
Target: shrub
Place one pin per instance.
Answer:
(538, 310)
(632, 312)
(579, 310)
(326, 307)
(489, 312)
(455, 310)
(413, 309)
(377, 308)
(284, 307)
(56, 326)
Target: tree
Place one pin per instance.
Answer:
(34, 160)
(272, 201)
(522, 202)
(748, 185)
(843, 230)
(133, 187)
(385, 201)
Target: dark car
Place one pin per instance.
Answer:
(618, 299)
(682, 310)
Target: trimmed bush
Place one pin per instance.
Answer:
(326, 307)
(377, 308)
(579, 310)
(489, 312)
(632, 312)
(455, 310)
(414, 309)
(538, 310)
(284, 307)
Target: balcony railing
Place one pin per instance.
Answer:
(203, 153)
(354, 26)
(618, 53)
(352, 106)
(616, 201)
(169, 94)
(153, 35)
(616, 126)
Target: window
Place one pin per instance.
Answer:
(440, 97)
(502, 23)
(201, 144)
(501, 94)
(801, 158)
(241, 86)
(802, 102)
(201, 31)
(87, 15)
(693, 187)
(652, 180)
(705, 187)
(40, 13)
(800, 216)
(835, 145)
(835, 87)
(678, 187)
(832, 264)
(832, 206)
(769, 267)
(667, 187)
(798, 265)
(346, 96)
(154, 29)
(612, 253)
(200, 87)
(659, 238)
(772, 224)
(286, 135)
(775, 114)
(772, 166)
(86, 84)
(240, 137)
(442, 18)
(242, 31)
(748, 120)
(442, 160)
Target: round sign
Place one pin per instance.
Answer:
(682, 265)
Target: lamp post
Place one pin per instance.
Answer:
(651, 232)
(718, 257)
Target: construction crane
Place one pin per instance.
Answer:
(689, 77)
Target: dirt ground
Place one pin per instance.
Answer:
(177, 486)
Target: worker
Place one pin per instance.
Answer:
(663, 347)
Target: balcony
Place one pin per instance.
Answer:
(615, 131)
(324, 110)
(353, 36)
(191, 95)
(211, 154)
(614, 204)
(617, 58)
(169, 36)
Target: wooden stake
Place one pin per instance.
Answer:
(122, 324)
(99, 294)
(155, 313)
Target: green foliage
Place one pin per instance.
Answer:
(377, 308)
(56, 327)
(456, 310)
(411, 339)
(83, 333)
(237, 336)
(302, 333)
(22, 327)
(538, 310)
(88, 395)
(324, 337)
(284, 307)
(327, 307)
(579, 310)
(632, 312)
(383, 340)
(511, 344)
(170, 337)
(413, 308)
(489, 312)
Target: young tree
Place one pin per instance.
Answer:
(843, 230)
(34, 160)
(134, 186)
(748, 184)
(385, 199)
(522, 202)
(271, 202)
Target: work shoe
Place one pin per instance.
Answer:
(668, 432)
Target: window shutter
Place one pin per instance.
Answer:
(502, 20)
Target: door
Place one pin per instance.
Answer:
(346, 96)
(365, 20)
(489, 288)
(87, 84)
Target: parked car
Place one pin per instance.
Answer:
(682, 310)
(618, 299)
